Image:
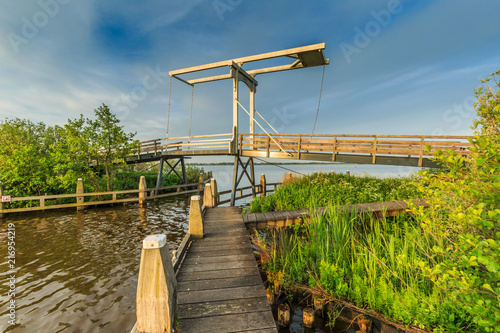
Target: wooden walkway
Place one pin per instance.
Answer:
(219, 284)
(287, 218)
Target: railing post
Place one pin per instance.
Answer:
(207, 196)
(215, 193)
(79, 190)
(1, 203)
(421, 153)
(156, 288)
(143, 201)
(195, 218)
(262, 185)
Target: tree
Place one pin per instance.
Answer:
(90, 149)
(25, 164)
(464, 217)
(109, 143)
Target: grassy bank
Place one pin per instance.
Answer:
(321, 190)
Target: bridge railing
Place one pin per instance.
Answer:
(200, 142)
(370, 145)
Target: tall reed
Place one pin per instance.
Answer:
(369, 263)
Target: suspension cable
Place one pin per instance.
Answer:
(262, 128)
(279, 166)
(319, 101)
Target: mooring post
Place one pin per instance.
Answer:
(156, 288)
(208, 199)
(263, 185)
(195, 218)
(215, 193)
(79, 190)
(143, 201)
(1, 202)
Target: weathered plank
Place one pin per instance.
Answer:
(230, 323)
(219, 274)
(223, 294)
(201, 259)
(236, 306)
(231, 282)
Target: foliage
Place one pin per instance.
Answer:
(321, 190)
(464, 219)
(25, 157)
(91, 149)
(368, 263)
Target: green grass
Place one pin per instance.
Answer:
(321, 190)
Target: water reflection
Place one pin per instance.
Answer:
(77, 272)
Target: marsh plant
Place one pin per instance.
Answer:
(323, 189)
(369, 264)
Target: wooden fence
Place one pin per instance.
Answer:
(201, 142)
(370, 145)
(140, 195)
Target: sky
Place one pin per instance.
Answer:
(396, 67)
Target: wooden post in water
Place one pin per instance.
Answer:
(262, 185)
(156, 288)
(1, 203)
(195, 218)
(208, 200)
(215, 193)
(79, 190)
(143, 201)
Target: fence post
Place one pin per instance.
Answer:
(208, 200)
(1, 203)
(195, 218)
(215, 193)
(200, 180)
(263, 185)
(79, 190)
(143, 201)
(156, 287)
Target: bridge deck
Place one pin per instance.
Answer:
(220, 289)
(403, 150)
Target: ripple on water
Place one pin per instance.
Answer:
(77, 272)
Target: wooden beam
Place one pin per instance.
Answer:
(264, 56)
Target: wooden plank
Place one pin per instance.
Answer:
(209, 309)
(201, 259)
(220, 274)
(190, 268)
(226, 294)
(230, 323)
(221, 252)
(231, 282)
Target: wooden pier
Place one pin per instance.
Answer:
(219, 284)
(212, 284)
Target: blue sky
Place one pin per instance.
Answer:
(396, 67)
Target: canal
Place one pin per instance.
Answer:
(77, 272)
